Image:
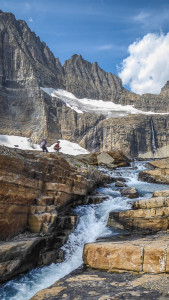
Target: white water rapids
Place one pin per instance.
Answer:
(91, 225)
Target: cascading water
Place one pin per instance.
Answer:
(92, 225)
(93, 146)
(153, 144)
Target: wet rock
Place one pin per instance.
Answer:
(95, 199)
(159, 172)
(146, 215)
(120, 184)
(129, 192)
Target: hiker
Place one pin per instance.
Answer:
(43, 145)
(57, 146)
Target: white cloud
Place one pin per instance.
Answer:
(141, 17)
(146, 69)
(30, 19)
(105, 47)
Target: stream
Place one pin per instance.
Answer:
(91, 225)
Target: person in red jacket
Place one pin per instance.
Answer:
(57, 146)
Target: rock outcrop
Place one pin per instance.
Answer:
(26, 64)
(37, 192)
(146, 215)
(110, 159)
(33, 187)
(159, 172)
(149, 255)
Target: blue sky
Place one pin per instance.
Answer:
(99, 30)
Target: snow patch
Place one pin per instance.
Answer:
(107, 108)
(25, 143)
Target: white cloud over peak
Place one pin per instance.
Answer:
(141, 17)
(146, 69)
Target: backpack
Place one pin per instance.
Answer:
(42, 144)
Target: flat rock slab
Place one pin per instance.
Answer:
(89, 284)
(147, 254)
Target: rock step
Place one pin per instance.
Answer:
(66, 222)
(149, 255)
(56, 256)
(96, 199)
(41, 222)
(38, 209)
(45, 200)
(149, 215)
(155, 202)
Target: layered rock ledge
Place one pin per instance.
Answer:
(148, 254)
(148, 215)
(37, 192)
(158, 173)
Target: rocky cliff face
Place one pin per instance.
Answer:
(26, 64)
(86, 80)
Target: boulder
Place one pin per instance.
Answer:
(120, 184)
(129, 192)
(105, 159)
(111, 159)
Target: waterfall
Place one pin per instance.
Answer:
(153, 144)
(94, 138)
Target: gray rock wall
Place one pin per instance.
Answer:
(26, 64)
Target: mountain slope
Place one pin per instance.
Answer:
(27, 64)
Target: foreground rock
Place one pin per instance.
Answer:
(84, 284)
(159, 172)
(149, 254)
(37, 192)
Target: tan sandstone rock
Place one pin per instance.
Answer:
(140, 254)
